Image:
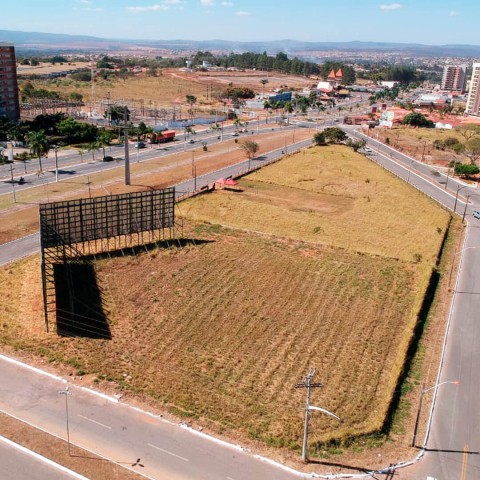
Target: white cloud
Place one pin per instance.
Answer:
(207, 3)
(453, 13)
(227, 4)
(391, 6)
(85, 1)
(148, 8)
(173, 2)
(242, 13)
(89, 9)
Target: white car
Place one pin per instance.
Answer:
(367, 150)
(476, 214)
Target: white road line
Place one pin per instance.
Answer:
(94, 421)
(230, 478)
(169, 453)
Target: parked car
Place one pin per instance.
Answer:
(191, 140)
(476, 214)
(367, 150)
(140, 145)
(108, 158)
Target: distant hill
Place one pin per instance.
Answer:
(30, 42)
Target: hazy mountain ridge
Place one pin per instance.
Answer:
(32, 41)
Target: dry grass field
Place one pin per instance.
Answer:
(171, 85)
(418, 142)
(331, 196)
(320, 262)
(163, 89)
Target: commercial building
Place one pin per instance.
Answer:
(473, 100)
(9, 106)
(454, 78)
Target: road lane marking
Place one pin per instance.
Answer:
(464, 462)
(230, 478)
(169, 453)
(94, 421)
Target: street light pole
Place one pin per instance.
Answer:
(465, 209)
(55, 148)
(456, 196)
(127, 153)
(409, 171)
(423, 392)
(67, 392)
(448, 172)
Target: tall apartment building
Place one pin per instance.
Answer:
(473, 100)
(9, 106)
(454, 78)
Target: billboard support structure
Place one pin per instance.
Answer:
(74, 231)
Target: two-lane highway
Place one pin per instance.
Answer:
(123, 434)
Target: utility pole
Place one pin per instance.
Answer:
(13, 184)
(308, 384)
(127, 153)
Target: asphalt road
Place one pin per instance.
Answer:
(451, 447)
(72, 164)
(123, 434)
(28, 245)
(18, 464)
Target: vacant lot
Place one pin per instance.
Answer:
(219, 332)
(331, 196)
(418, 143)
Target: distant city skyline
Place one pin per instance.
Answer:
(430, 22)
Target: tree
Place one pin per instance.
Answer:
(472, 150)
(468, 131)
(76, 97)
(104, 139)
(356, 144)
(38, 144)
(188, 131)
(417, 120)
(335, 135)
(263, 81)
(91, 147)
(319, 138)
(466, 170)
(250, 148)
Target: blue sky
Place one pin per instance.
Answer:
(431, 22)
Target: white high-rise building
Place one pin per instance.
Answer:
(473, 101)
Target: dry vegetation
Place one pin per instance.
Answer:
(418, 142)
(220, 332)
(21, 219)
(332, 196)
(171, 85)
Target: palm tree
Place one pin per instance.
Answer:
(263, 81)
(91, 147)
(38, 143)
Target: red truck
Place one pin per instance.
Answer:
(162, 137)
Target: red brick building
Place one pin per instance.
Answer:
(9, 106)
